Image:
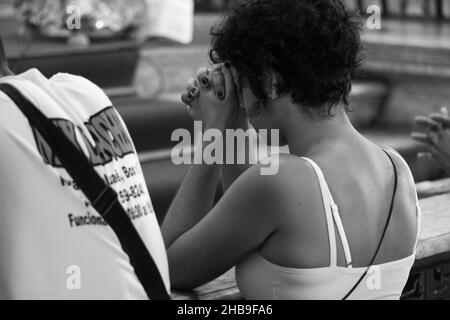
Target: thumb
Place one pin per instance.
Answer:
(228, 76)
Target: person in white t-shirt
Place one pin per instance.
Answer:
(53, 243)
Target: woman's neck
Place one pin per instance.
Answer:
(309, 135)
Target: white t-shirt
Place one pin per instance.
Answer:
(53, 244)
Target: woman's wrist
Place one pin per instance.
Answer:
(218, 124)
(201, 157)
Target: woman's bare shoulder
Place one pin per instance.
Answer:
(292, 178)
(405, 175)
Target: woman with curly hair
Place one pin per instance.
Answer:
(340, 218)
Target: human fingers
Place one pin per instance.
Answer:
(442, 158)
(440, 119)
(218, 84)
(202, 76)
(434, 138)
(426, 122)
(421, 137)
(192, 87)
(229, 77)
(187, 97)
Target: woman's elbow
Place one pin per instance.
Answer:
(182, 276)
(182, 281)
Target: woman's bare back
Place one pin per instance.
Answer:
(361, 182)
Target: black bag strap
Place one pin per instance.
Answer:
(391, 208)
(102, 197)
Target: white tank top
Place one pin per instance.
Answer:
(259, 279)
(53, 244)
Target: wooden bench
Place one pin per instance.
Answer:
(222, 288)
(434, 242)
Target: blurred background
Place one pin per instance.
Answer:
(143, 51)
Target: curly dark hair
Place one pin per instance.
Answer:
(313, 46)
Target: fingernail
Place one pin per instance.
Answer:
(189, 96)
(220, 94)
(205, 81)
(194, 91)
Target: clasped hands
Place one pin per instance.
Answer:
(212, 97)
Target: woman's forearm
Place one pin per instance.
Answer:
(194, 200)
(231, 171)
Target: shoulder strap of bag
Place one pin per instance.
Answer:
(391, 208)
(102, 197)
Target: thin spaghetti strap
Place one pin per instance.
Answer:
(342, 235)
(391, 208)
(336, 218)
(340, 227)
(328, 212)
